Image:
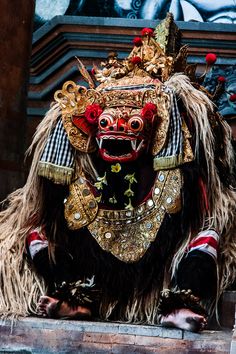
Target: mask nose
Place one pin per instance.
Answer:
(122, 125)
(119, 125)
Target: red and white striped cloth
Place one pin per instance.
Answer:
(205, 241)
(36, 241)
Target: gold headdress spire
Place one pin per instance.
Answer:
(156, 54)
(168, 35)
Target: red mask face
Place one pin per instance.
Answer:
(122, 134)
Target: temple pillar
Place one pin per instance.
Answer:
(15, 48)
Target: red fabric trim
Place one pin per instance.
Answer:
(33, 236)
(204, 240)
(203, 190)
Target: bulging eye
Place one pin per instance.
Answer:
(105, 121)
(135, 124)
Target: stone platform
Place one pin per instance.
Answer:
(46, 336)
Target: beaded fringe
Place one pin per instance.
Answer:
(57, 174)
(164, 163)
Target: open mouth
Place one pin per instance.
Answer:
(119, 148)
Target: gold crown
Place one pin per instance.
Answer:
(151, 61)
(157, 57)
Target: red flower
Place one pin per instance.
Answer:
(148, 111)
(221, 79)
(232, 97)
(93, 72)
(92, 113)
(210, 58)
(136, 60)
(137, 41)
(147, 32)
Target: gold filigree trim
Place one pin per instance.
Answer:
(188, 155)
(128, 234)
(168, 35)
(78, 139)
(73, 100)
(80, 207)
(126, 98)
(162, 100)
(129, 81)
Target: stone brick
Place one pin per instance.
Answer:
(33, 335)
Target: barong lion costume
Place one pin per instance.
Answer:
(128, 210)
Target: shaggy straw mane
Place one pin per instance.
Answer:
(20, 287)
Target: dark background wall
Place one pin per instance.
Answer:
(15, 49)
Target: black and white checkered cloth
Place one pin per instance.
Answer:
(173, 149)
(58, 155)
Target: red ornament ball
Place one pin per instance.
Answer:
(221, 79)
(147, 32)
(136, 60)
(210, 58)
(137, 41)
(232, 97)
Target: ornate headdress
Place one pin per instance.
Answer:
(131, 88)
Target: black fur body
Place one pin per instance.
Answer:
(78, 256)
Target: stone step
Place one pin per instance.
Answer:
(47, 336)
(233, 343)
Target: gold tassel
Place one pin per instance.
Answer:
(164, 163)
(57, 174)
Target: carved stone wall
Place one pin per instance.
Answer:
(220, 11)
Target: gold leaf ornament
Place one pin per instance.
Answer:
(73, 100)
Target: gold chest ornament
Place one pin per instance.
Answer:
(127, 234)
